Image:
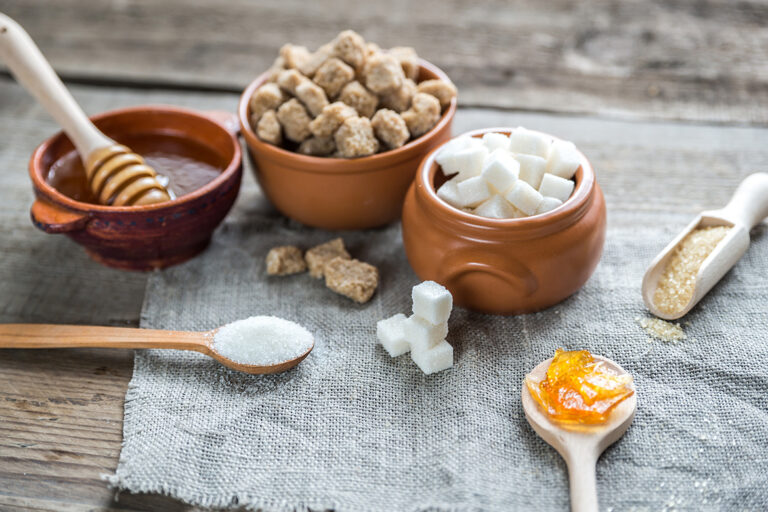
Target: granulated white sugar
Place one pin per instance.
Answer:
(661, 329)
(262, 340)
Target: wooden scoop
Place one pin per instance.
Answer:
(580, 445)
(747, 207)
(75, 336)
(116, 175)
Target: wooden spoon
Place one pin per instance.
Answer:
(117, 176)
(75, 336)
(580, 445)
(747, 207)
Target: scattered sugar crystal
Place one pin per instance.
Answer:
(443, 90)
(262, 340)
(495, 141)
(408, 60)
(524, 197)
(498, 208)
(557, 187)
(548, 204)
(317, 146)
(355, 138)
(358, 97)
(332, 75)
(350, 47)
(661, 329)
(352, 278)
(529, 142)
(473, 191)
(434, 359)
(390, 128)
(267, 97)
(422, 334)
(294, 119)
(532, 169)
(500, 170)
(312, 96)
(285, 260)
(432, 302)
(423, 114)
(391, 334)
(318, 256)
(449, 192)
(563, 159)
(268, 128)
(399, 100)
(331, 118)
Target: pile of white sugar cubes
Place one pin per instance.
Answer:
(424, 332)
(508, 177)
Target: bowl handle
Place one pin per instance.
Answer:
(504, 268)
(55, 219)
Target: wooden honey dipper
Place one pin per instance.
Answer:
(116, 175)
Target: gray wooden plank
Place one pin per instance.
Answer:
(681, 59)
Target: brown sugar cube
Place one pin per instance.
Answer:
(330, 119)
(371, 48)
(312, 95)
(289, 80)
(442, 90)
(333, 75)
(310, 67)
(352, 278)
(349, 46)
(285, 260)
(319, 255)
(268, 128)
(355, 138)
(317, 146)
(294, 119)
(382, 73)
(399, 100)
(423, 114)
(358, 97)
(267, 97)
(408, 59)
(275, 69)
(294, 56)
(390, 128)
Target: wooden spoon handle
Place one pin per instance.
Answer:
(749, 204)
(31, 69)
(583, 481)
(76, 336)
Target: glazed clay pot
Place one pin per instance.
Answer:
(506, 266)
(336, 193)
(142, 237)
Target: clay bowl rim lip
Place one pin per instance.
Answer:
(49, 192)
(575, 205)
(329, 165)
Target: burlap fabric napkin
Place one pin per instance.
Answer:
(351, 429)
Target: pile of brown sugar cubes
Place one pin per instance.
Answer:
(344, 275)
(348, 99)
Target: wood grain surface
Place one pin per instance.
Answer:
(683, 59)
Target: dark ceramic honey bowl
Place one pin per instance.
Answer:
(504, 266)
(335, 193)
(151, 236)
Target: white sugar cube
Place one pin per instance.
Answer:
(467, 162)
(555, 186)
(524, 197)
(548, 204)
(422, 334)
(391, 335)
(449, 193)
(494, 141)
(497, 208)
(453, 146)
(563, 159)
(432, 302)
(500, 170)
(473, 191)
(435, 359)
(532, 169)
(529, 142)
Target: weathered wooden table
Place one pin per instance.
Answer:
(654, 92)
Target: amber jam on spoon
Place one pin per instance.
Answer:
(187, 164)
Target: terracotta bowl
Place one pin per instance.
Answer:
(506, 266)
(142, 237)
(336, 193)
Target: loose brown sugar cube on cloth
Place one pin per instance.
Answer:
(318, 256)
(285, 260)
(352, 278)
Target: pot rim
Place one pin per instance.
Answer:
(562, 216)
(53, 195)
(329, 165)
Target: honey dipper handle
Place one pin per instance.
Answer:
(31, 69)
(749, 204)
(77, 336)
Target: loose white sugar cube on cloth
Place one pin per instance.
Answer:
(467, 162)
(529, 142)
(548, 204)
(391, 335)
(422, 334)
(555, 186)
(532, 169)
(524, 197)
(449, 193)
(563, 159)
(434, 359)
(498, 208)
(432, 302)
(500, 170)
(473, 191)
(494, 141)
